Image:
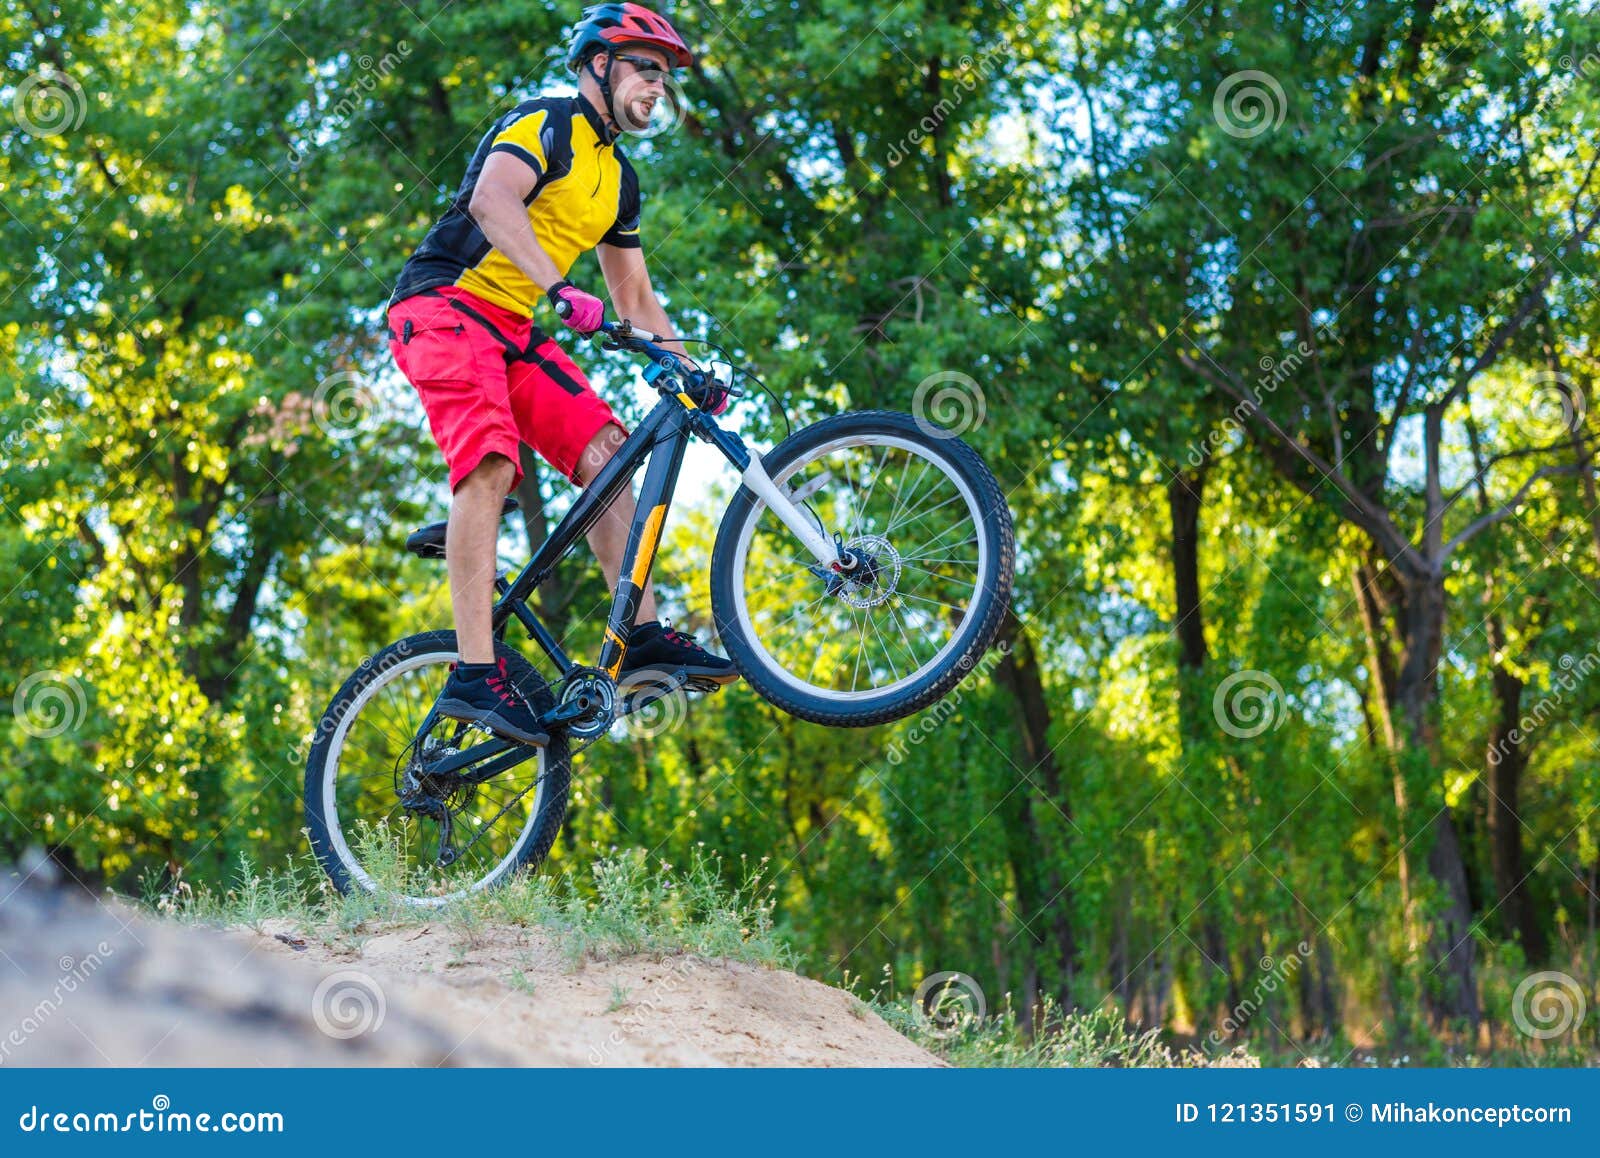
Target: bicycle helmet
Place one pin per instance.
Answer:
(607, 26)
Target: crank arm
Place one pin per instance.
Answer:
(648, 693)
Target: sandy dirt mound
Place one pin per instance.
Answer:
(89, 982)
(85, 982)
(512, 992)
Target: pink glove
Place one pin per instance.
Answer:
(583, 312)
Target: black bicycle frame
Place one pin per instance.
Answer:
(662, 438)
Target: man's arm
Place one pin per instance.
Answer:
(499, 206)
(632, 295)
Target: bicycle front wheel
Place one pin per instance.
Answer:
(925, 523)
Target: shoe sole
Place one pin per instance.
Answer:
(461, 710)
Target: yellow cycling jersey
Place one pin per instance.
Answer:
(586, 194)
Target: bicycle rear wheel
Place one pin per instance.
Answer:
(924, 520)
(381, 819)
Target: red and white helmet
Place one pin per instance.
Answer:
(607, 26)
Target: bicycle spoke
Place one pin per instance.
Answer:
(488, 819)
(909, 520)
(893, 510)
(878, 493)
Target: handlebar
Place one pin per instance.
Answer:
(624, 335)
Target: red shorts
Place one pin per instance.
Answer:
(487, 387)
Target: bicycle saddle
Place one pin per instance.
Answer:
(428, 542)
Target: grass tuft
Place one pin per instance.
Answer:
(624, 906)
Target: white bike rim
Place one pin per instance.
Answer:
(741, 607)
(330, 779)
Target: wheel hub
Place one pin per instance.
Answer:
(876, 574)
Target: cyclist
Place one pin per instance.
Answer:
(546, 184)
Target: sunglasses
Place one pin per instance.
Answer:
(643, 64)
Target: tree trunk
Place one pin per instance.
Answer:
(1505, 761)
(1452, 950)
(1185, 495)
(1046, 910)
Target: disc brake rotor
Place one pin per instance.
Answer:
(876, 574)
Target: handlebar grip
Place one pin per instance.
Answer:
(627, 329)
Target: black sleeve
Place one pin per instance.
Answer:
(625, 233)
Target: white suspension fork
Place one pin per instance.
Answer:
(789, 513)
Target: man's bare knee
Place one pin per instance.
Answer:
(607, 440)
(494, 473)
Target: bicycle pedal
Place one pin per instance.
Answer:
(665, 685)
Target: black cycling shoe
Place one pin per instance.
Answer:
(659, 648)
(485, 695)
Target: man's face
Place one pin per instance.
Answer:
(638, 81)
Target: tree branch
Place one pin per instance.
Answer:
(1531, 300)
(1356, 507)
(1506, 510)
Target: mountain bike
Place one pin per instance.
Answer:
(860, 571)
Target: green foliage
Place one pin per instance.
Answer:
(208, 464)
